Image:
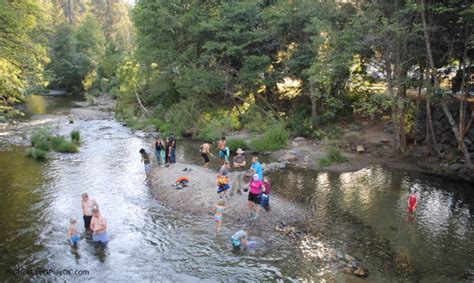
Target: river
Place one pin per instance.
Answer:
(364, 212)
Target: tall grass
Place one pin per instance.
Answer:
(234, 144)
(274, 138)
(75, 136)
(43, 141)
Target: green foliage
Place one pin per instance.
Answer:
(43, 141)
(333, 156)
(75, 136)
(329, 133)
(371, 105)
(36, 153)
(214, 128)
(234, 144)
(274, 138)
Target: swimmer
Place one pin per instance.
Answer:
(239, 240)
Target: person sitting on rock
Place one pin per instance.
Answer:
(223, 180)
(181, 182)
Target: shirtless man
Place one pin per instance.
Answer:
(205, 152)
(99, 228)
(87, 205)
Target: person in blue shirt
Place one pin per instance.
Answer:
(257, 167)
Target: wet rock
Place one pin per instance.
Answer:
(418, 152)
(455, 167)
(299, 139)
(295, 144)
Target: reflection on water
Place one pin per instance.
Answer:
(43, 104)
(437, 242)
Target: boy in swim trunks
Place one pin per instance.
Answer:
(72, 233)
(218, 213)
(239, 240)
(205, 152)
(88, 204)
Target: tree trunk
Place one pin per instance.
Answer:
(459, 136)
(314, 105)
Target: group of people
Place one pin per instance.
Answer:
(165, 153)
(94, 223)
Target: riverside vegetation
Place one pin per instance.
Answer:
(273, 68)
(43, 141)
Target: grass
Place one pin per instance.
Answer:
(234, 144)
(43, 141)
(334, 156)
(36, 153)
(75, 136)
(274, 138)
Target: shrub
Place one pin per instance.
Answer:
(234, 144)
(75, 136)
(274, 138)
(334, 156)
(40, 139)
(36, 153)
(331, 133)
(215, 128)
(66, 147)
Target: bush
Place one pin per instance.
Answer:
(371, 105)
(331, 133)
(274, 138)
(40, 139)
(36, 153)
(334, 156)
(66, 147)
(75, 136)
(234, 144)
(214, 128)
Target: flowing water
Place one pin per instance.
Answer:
(152, 242)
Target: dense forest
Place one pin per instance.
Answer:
(280, 68)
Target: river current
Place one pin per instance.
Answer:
(152, 242)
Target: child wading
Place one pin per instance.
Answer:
(147, 161)
(412, 201)
(218, 213)
(72, 233)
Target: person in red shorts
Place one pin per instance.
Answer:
(412, 200)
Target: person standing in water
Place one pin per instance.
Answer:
(205, 152)
(88, 204)
(412, 201)
(223, 149)
(218, 213)
(99, 228)
(160, 151)
(239, 240)
(254, 200)
(72, 233)
(257, 167)
(147, 161)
